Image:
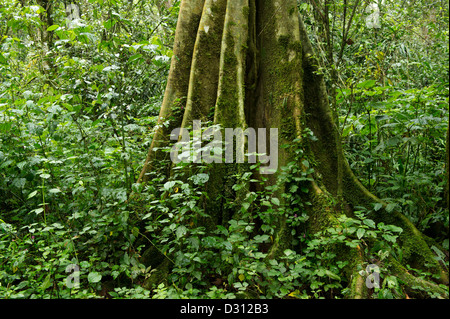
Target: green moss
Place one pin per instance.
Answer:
(282, 240)
(320, 212)
(358, 289)
(158, 276)
(203, 91)
(284, 41)
(415, 286)
(228, 99)
(152, 257)
(296, 46)
(292, 10)
(246, 11)
(289, 131)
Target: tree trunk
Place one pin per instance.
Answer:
(447, 169)
(47, 19)
(249, 63)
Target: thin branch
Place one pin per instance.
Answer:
(346, 29)
(318, 9)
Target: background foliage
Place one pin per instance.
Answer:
(389, 86)
(79, 99)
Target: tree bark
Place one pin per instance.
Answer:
(47, 19)
(447, 169)
(249, 63)
(175, 97)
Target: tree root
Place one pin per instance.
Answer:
(414, 286)
(358, 287)
(158, 275)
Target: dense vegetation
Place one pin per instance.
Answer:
(79, 99)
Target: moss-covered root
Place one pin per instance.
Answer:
(158, 275)
(177, 83)
(417, 287)
(416, 250)
(415, 247)
(358, 287)
(282, 240)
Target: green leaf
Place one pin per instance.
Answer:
(94, 277)
(53, 27)
(19, 182)
(393, 228)
(222, 229)
(135, 231)
(32, 194)
(181, 231)
(288, 252)
(47, 282)
(5, 127)
(157, 41)
(135, 57)
(261, 238)
(266, 203)
(3, 60)
(168, 186)
(377, 206)
(55, 190)
(109, 24)
(276, 201)
(200, 179)
(369, 223)
(332, 275)
(367, 84)
(360, 233)
(245, 207)
(390, 207)
(37, 211)
(389, 238)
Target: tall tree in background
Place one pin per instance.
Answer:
(47, 20)
(249, 63)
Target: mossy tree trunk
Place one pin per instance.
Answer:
(447, 169)
(249, 63)
(47, 19)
